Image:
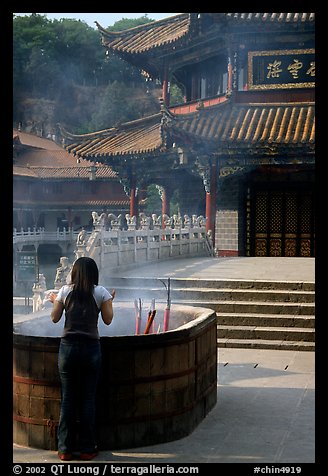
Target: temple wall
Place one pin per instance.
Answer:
(229, 219)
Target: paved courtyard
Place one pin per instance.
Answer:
(265, 412)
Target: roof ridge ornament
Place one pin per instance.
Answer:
(166, 113)
(88, 135)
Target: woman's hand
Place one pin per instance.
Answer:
(113, 294)
(52, 297)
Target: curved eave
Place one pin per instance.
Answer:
(140, 137)
(147, 37)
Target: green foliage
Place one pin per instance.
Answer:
(176, 96)
(62, 61)
(153, 201)
(116, 105)
(61, 74)
(127, 23)
(174, 203)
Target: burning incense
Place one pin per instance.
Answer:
(167, 309)
(137, 308)
(150, 321)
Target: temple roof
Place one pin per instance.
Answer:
(284, 125)
(168, 31)
(251, 125)
(32, 140)
(142, 136)
(226, 126)
(101, 172)
(146, 37)
(43, 158)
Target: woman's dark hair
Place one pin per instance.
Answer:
(84, 276)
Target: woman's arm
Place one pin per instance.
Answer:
(57, 311)
(106, 309)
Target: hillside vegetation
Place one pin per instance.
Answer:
(61, 74)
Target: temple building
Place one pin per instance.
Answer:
(240, 148)
(54, 190)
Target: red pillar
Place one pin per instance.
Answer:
(165, 196)
(165, 202)
(133, 198)
(211, 201)
(208, 211)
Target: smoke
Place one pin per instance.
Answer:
(123, 324)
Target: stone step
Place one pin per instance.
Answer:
(265, 320)
(266, 344)
(243, 284)
(251, 313)
(223, 294)
(246, 295)
(179, 283)
(254, 307)
(266, 333)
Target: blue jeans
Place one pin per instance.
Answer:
(79, 363)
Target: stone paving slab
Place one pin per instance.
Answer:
(267, 268)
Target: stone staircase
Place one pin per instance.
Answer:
(250, 313)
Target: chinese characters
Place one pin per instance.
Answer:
(274, 69)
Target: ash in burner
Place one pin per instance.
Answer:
(39, 324)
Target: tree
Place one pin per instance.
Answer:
(118, 104)
(153, 200)
(127, 23)
(63, 61)
(32, 57)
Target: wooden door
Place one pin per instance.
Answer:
(283, 222)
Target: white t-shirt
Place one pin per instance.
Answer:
(83, 322)
(99, 293)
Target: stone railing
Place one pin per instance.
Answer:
(39, 235)
(147, 239)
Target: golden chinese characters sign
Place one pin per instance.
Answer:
(281, 69)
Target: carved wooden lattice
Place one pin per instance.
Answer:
(283, 223)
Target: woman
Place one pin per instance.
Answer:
(79, 358)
